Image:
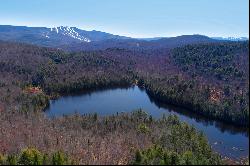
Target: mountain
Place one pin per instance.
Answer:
(52, 37)
(75, 39)
(231, 38)
(151, 39)
(139, 44)
(216, 38)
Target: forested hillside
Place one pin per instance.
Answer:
(208, 79)
(91, 139)
(136, 44)
(54, 71)
(223, 68)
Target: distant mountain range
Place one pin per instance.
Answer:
(52, 36)
(231, 38)
(216, 38)
(162, 43)
(75, 39)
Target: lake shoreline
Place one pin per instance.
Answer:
(222, 127)
(151, 94)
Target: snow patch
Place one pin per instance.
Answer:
(71, 32)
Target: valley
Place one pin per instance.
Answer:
(206, 77)
(222, 137)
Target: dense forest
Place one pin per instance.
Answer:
(223, 69)
(211, 79)
(90, 139)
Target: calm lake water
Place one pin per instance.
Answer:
(226, 139)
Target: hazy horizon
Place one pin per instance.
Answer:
(130, 36)
(134, 18)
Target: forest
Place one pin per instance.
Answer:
(90, 139)
(211, 79)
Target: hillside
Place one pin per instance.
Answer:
(52, 37)
(136, 44)
(209, 79)
(31, 75)
(75, 39)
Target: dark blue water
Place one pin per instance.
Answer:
(228, 140)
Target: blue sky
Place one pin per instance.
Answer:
(134, 18)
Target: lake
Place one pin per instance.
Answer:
(226, 139)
